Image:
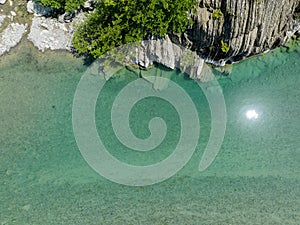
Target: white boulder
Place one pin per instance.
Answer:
(46, 33)
(11, 36)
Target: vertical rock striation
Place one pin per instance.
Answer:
(247, 27)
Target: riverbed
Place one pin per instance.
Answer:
(254, 179)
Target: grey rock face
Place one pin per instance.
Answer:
(46, 33)
(37, 9)
(161, 51)
(248, 27)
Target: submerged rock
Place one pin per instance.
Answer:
(227, 69)
(11, 36)
(154, 78)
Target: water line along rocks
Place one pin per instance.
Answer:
(245, 38)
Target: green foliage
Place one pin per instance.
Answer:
(67, 5)
(217, 14)
(72, 5)
(228, 11)
(118, 22)
(225, 47)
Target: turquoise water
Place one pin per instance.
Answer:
(255, 178)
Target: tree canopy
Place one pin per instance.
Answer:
(118, 22)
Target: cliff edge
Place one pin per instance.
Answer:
(230, 30)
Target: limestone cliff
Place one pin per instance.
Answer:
(247, 27)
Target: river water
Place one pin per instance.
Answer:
(254, 179)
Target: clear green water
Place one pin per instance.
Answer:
(255, 178)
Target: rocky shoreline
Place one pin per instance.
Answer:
(46, 32)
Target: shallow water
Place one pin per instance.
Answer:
(255, 178)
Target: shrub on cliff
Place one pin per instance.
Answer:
(66, 5)
(118, 22)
